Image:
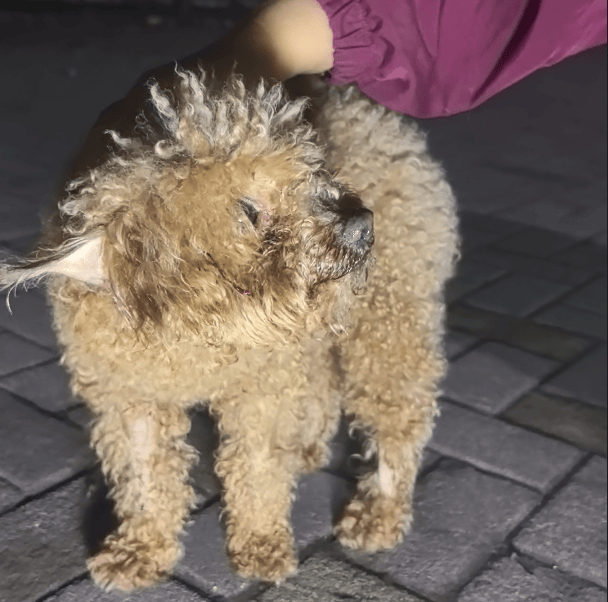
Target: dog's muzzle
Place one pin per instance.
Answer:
(358, 231)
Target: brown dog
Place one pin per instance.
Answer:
(215, 255)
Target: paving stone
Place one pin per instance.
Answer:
(41, 545)
(319, 500)
(523, 333)
(208, 4)
(120, 47)
(574, 320)
(81, 416)
(17, 219)
(249, 3)
(28, 182)
(539, 208)
(9, 495)
(429, 460)
(474, 238)
(457, 342)
(490, 223)
(457, 288)
(21, 245)
(535, 267)
(17, 353)
(476, 271)
(537, 242)
(564, 212)
(579, 423)
(38, 451)
(501, 448)
(584, 380)
(493, 376)
(30, 318)
(326, 578)
(517, 295)
(47, 386)
(601, 239)
(461, 516)
(494, 191)
(509, 581)
(592, 297)
(470, 276)
(87, 591)
(585, 256)
(204, 438)
(570, 532)
(205, 565)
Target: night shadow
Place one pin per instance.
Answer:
(98, 520)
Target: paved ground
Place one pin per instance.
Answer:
(511, 505)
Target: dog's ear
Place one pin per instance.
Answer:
(143, 259)
(80, 258)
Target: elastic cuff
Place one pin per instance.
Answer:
(353, 28)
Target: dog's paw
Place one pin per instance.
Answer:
(373, 524)
(268, 557)
(130, 566)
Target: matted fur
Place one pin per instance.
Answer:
(224, 276)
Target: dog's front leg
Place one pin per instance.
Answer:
(258, 474)
(393, 363)
(146, 461)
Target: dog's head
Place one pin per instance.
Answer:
(219, 207)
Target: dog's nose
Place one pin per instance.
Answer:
(359, 229)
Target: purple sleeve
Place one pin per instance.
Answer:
(429, 58)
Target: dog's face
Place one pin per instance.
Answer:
(258, 236)
(224, 217)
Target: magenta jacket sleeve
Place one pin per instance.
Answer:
(429, 58)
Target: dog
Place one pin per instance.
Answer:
(226, 254)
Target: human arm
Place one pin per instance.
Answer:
(425, 58)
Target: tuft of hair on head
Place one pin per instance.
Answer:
(205, 119)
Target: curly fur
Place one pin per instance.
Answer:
(228, 275)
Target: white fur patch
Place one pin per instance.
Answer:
(85, 263)
(142, 444)
(386, 478)
(82, 259)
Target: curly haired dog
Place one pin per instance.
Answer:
(216, 255)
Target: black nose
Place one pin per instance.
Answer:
(359, 229)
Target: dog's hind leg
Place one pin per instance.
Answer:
(393, 369)
(146, 462)
(394, 359)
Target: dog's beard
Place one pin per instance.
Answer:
(360, 275)
(341, 262)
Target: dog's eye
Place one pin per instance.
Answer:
(250, 210)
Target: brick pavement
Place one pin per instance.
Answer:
(511, 503)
